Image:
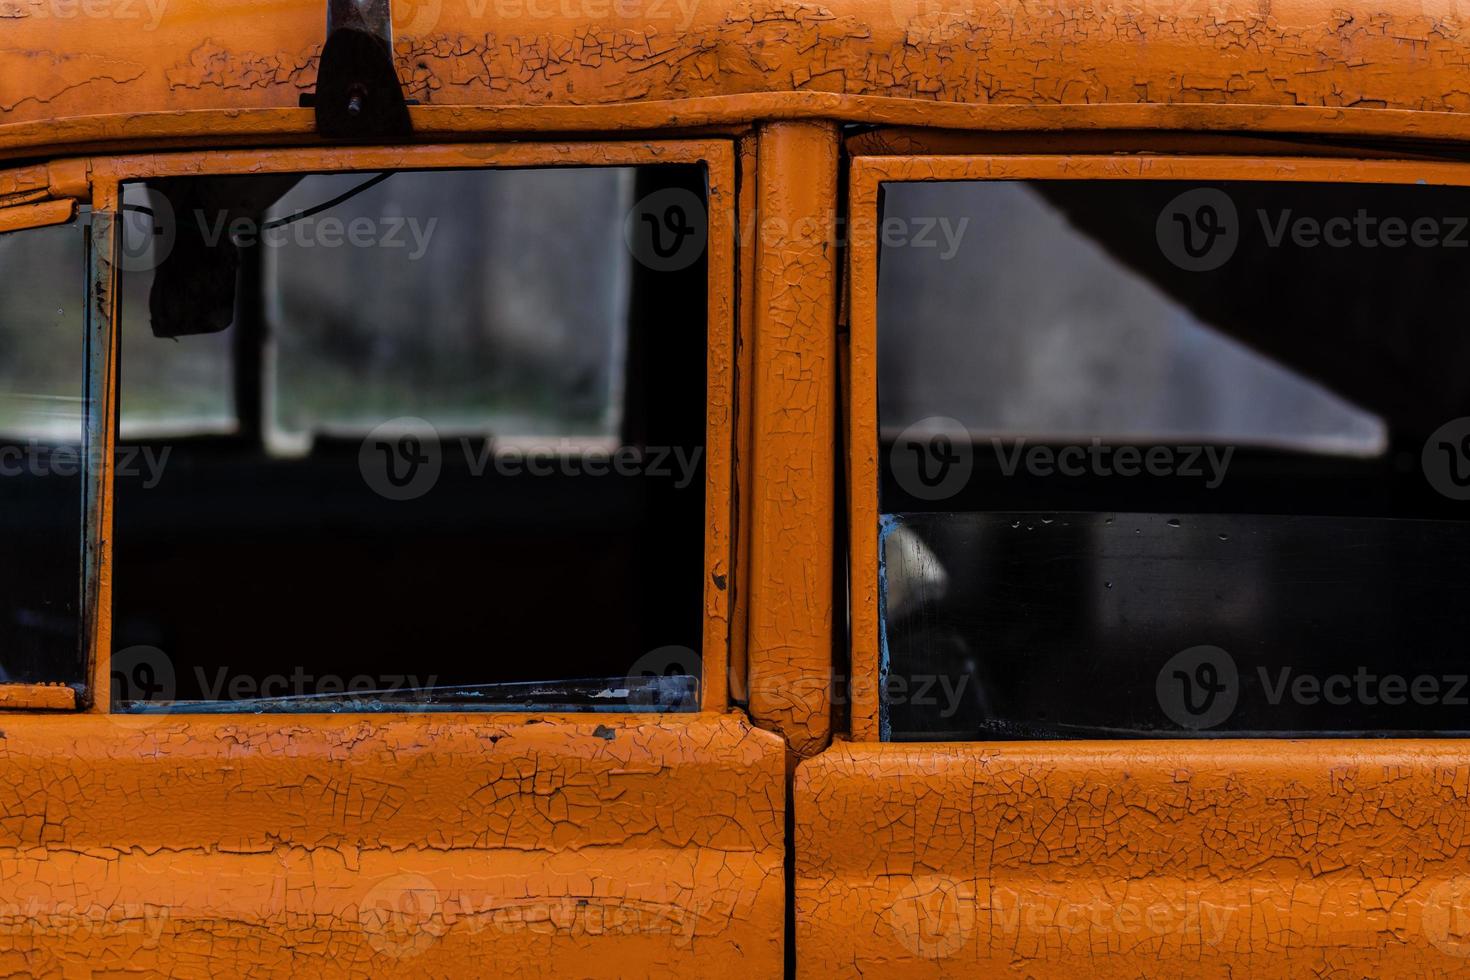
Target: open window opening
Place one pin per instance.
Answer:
(423, 440)
(1164, 458)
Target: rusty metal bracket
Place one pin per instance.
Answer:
(358, 94)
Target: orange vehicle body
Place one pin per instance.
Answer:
(771, 832)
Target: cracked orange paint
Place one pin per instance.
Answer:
(792, 536)
(1134, 859)
(56, 697)
(180, 69)
(453, 845)
(36, 215)
(381, 846)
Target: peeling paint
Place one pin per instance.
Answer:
(1124, 859)
(924, 54)
(358, 847)
(792, 540)
(48, 76)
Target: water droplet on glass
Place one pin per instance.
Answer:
(1174, 522)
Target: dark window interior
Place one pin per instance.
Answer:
(492, 326)
(1065, 316)
(42, 365)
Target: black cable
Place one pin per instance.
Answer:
(317, 209)
(347, 196)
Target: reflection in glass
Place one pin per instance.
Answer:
(1125, 491)
(41, 423)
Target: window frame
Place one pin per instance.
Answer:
(867, 175)
(717, 155)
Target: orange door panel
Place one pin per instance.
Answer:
(389, 844)
(1109, 859)
(380, 846)
(1130, 859)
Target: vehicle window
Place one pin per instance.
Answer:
(448, 455)
(42, 371)
(1172, 459)
(529, 323)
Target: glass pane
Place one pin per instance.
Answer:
(174, 389)
(1018, 321)
(1149, 445)
(443, 488)
(42, 368)
(1027, 625)
(511, 324)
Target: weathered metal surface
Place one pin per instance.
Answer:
(1261, 859)
(792, 536)
(36, 215)
(116, 70)
(424, 846)
(31, 697)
